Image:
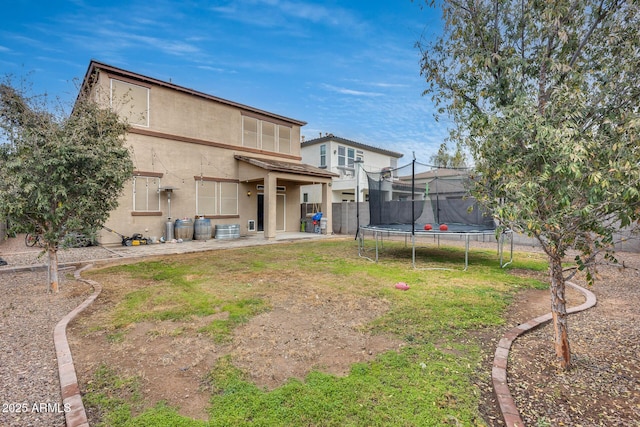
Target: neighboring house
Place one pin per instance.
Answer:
(340, 156)
(196, 155)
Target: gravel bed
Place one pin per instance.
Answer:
(603, 386)
(30, 393)
(35, 256)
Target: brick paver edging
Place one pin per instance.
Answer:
(71, 398)
(499, 371)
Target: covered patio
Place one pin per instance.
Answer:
(271, 175)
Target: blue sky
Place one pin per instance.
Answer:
(349, 68)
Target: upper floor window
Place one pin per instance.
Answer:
(265, 135)
(284, 139)
(268, 136)
(323, 156)
(250, 132)
(146, 193)
(351, 155)
(130, 101)
(346, 156)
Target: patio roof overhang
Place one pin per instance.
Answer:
(295, 172)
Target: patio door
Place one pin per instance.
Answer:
(280, 212)
(260, 214)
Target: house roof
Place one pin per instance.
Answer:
(441, 180)
(437, 173)
(288, 167)
(331, 137)
(95, 66)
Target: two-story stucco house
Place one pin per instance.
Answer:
(196, 155)
(341, 157)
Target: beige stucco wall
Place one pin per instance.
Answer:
(194, 117)
(188, 115)
(189, 136)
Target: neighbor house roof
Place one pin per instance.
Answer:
(331, 137)
(439, 173)
(288, 167)
(95, 66)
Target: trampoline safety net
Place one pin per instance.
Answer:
(419, 194)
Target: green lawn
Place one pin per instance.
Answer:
(431, 381)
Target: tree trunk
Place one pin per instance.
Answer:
(559, 312)
(53, 269)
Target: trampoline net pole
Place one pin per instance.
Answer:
(413, 199)
(413, 245)
(466, 253)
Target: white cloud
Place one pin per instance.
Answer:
(389, 85)
(127, 39)
(346, 91)
(287, 14)
(215, 69)
(316, 13)
(27, 41)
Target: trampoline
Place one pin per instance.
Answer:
(464, 231)
(404, 200)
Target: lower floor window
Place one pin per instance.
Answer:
(146, 194)
(215, 197)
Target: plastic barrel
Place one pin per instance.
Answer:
(202, 229)
(227, 231)
(184, 229)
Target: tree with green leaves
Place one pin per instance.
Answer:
(546, 97)
(445, 159)
(60, 174)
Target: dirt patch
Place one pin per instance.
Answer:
(168, 357)
(312, 331)
(305, 329)
(531, 303)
